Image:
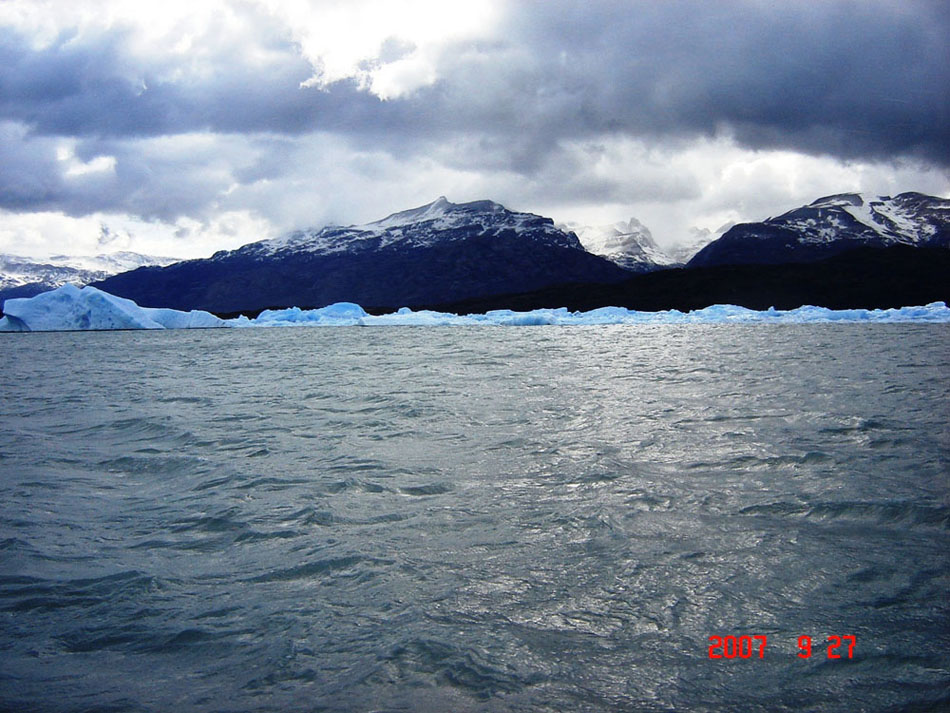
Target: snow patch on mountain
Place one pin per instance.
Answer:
(909, 218)
(831, 225)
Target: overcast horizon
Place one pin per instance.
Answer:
(190, 127)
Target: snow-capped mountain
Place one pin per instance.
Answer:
(435, 253)
(439, 222)
(628, 244)
(24, 276)
(832, 225)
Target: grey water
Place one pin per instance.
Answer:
(475, 519)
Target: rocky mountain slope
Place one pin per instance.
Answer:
(833, 225)
(438, 252)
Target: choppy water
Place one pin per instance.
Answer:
(453, 519)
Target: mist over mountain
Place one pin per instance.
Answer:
(683, 250)
(629, 244)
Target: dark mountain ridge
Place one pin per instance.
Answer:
(832, 225)
(869, 278)
(435, 253)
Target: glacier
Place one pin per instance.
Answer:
(70, 308)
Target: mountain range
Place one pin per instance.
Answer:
(444, 253)
(438, 252)
(25, 277)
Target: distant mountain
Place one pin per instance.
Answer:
(25, 277)
(833, 225)
(683, 251)
(628, 244)
(438, 252)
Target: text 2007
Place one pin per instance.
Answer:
(747, 647)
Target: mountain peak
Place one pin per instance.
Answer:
(833, 224)
(438, 208)
(855, 199)
(437, 252)
(438, 222)
(429, 211)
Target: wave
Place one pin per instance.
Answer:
(899, 513)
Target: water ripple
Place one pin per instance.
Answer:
(474, 520)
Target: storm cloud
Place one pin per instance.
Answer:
(529, 104)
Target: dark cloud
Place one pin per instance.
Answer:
(94, 86)
(30, 178)
(853, 80)
(158, 179)
(846, 78)
(850, 79)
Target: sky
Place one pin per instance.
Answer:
(187, 126)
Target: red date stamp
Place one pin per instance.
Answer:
(747, 647)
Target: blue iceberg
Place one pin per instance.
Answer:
(87, 308)
(73, 308)
(344, 314)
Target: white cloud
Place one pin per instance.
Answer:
(45, 233)
(703, 183)
(246, 188)
(75, 167)
(390, 47)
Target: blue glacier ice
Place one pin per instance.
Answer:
(349, 314)
(340, 314)
(73, 308)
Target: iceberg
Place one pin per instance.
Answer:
(71, 308)
(346, 313)
(339, 314)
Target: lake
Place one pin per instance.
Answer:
(476, 519)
